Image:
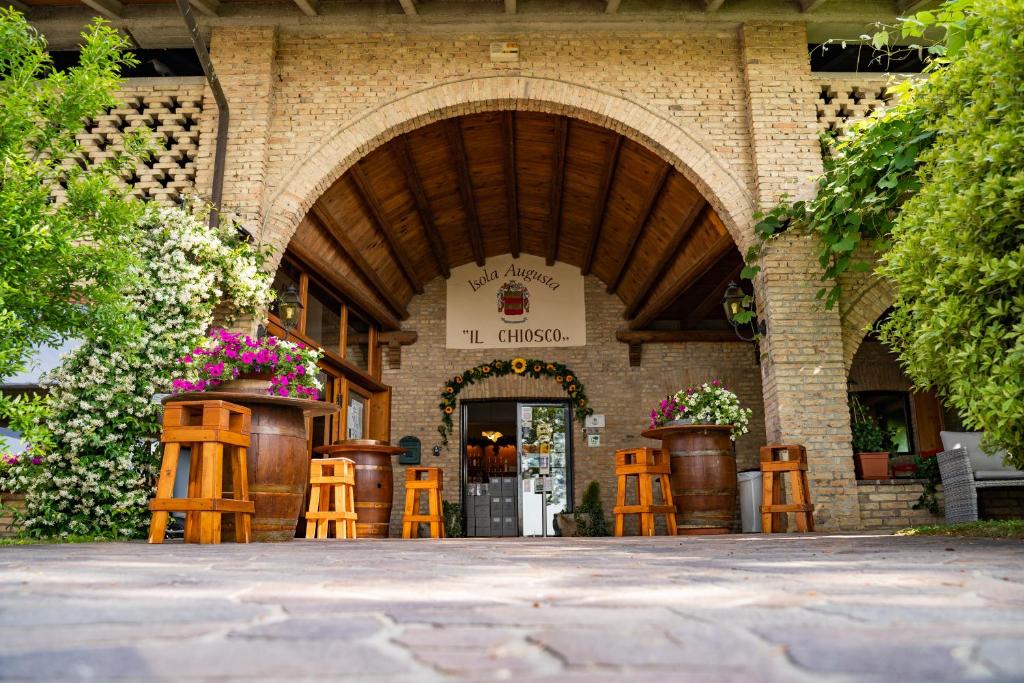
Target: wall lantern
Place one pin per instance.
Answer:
(289, 307)
(732, 304)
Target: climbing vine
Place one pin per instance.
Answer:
(526, 367)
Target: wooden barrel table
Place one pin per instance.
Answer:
(375, 483)
(703, 476)
(277, 459)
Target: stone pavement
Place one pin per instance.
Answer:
(741, 608)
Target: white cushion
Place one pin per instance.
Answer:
(981, 462)
(989, 475)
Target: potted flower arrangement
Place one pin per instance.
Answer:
(697, 427)
(871, 455)
(227, 361)
(709, 404)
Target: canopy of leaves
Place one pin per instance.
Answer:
(62, 264)
(957, 254)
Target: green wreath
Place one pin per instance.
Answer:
(525, 367)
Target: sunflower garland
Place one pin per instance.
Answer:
(529, 367)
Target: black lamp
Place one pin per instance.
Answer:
(732, 304)
(289, 307)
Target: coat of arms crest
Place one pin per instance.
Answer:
(513, 302)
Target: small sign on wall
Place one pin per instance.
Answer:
(593, 440)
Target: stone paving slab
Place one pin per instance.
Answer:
(798, 609)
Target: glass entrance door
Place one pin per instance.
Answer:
(543, 449)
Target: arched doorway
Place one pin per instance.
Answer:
(652, 252)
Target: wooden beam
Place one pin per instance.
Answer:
(210, 8)
(908, 7)
(346, 287)
(602, 203)
(713, 5)
(394, 341)
(557, 185)
(510, 6)
(655, 274)
(362, 265)
(365, 193)
(309, 7)
(642, 217)
(811, 5)
(508, 130)
(673, 336)
(111, 9)
(690, 275)
(476, 240)
(714, 298)
(412, 178)
(612, 6)
(409, 7)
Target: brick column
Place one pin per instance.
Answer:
(803, 376)
(245, 61)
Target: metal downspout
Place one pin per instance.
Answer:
(220, 148)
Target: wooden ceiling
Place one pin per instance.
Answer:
(468, 188)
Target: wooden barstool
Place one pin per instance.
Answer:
(429, 480)
(773, 503)
(644, 464)
(327, 475)
(214, 431)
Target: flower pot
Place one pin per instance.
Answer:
(872, 465)
(247, 383)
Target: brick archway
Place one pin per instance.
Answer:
(865, 298)
(350, 142)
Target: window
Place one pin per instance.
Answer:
(892, 410)
(357, 341)
(323, 318)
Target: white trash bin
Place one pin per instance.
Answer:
(750, 501)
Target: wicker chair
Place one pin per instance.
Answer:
(960, 484)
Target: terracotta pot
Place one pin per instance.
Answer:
(703, 476)
(872, 465)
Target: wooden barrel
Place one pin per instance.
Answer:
(278, 464)
(375, 489)
(703, 477)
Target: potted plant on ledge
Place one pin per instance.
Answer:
(871, 456)
(697, 427)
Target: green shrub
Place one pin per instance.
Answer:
(589, 514)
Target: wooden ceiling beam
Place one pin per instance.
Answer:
(365, 193)
(309, 7)
(508, 131)
(612, 6)
(510, 6)
(713, 299)
(557, 187)
(642, 217)
(412, 179)
(348, 289)
(691, 274)
(810, 5)
(655, 274)
(340, 236)
(210, 8)
(454, 133)
(628, 336)
(111, 9)
(597, 220)
(409, 7)
(713, 5)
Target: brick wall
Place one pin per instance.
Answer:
(623, 394)
(888, 505)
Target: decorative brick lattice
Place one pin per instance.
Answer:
(172, 110)
(845, 98)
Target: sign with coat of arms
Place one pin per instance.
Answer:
(515, 302)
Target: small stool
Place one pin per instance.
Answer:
(325, 475)
(214, 431)
(773, 503)
(644, 464)
(429, 480)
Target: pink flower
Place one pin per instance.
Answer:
(248, 357)
(37, 460)
(283, 391)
